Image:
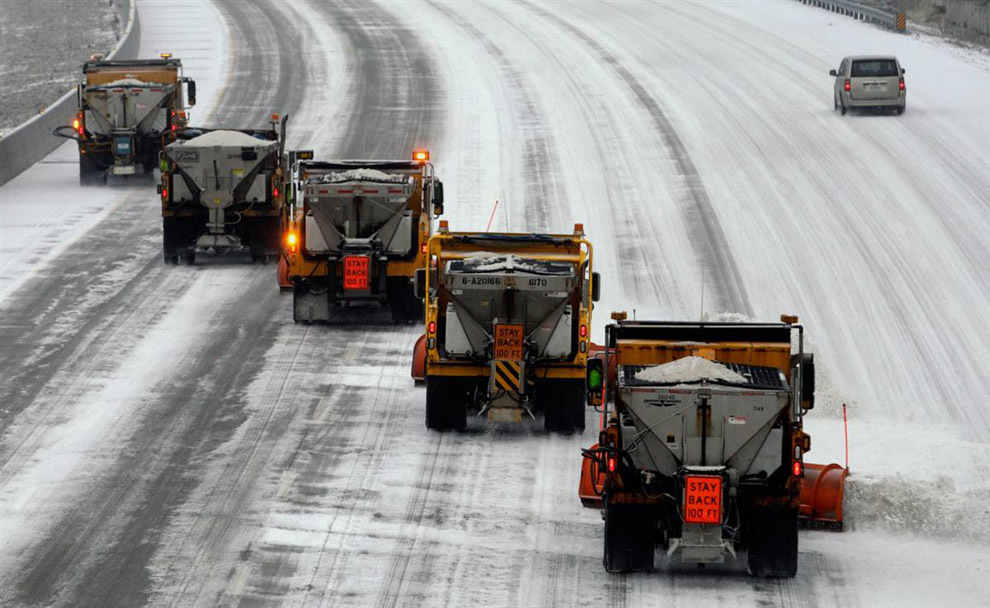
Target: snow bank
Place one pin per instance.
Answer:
(226, 138)
(689, 369)
(361, 175)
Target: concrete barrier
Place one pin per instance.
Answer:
(33, 140)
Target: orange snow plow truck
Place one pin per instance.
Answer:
(702, 450)
(507, 327)
(355, 231)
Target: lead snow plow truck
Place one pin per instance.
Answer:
(124, 108)
(222, 193)
(355, 232)
(702, 452)
(506, 327)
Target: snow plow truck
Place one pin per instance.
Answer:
(507, 322)
(702, 450)
(124, 108)
(355, 231)
(222, 192)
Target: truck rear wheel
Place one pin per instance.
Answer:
(446, 403)
(630, 532)
(773, 542)
(563, 403)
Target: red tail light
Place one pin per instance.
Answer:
(611, 465)
(847, 84)
(797, 468)
(432, 327)
(275, 192)
(901, 83)
(164, 194)
(423, 248)
(583, 330)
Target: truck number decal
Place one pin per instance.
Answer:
(509, 342)
(357, 273)
(537, 282)
(702, 499)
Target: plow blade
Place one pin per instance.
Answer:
(592, 482)
(822, 492)
(419, 360)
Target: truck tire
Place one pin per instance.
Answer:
(773, 542)
(91, 172)
(630, 532)
(446, 403)
(563, 403)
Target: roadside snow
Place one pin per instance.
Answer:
(689, 369)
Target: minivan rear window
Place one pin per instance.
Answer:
(874, 68)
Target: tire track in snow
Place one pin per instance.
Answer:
(540, 168)
(397, 93)
(714, 251)
(114, 531)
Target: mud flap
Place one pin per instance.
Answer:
(308, 306)
(630, 535)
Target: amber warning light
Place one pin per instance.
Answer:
(292, 241)
(421, 155)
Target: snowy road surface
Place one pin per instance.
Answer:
(171, 438)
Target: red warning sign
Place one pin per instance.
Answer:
(509, 342)
(702, 499)
(357, 273)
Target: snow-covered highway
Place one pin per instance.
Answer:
(171, 438)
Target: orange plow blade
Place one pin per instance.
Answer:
(592, 481)
(419, 360)
(283, 273)
(822, 491)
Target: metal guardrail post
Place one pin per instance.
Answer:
(894, 21)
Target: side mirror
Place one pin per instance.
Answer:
(191, 92)
(903, 71)
(79, 96)
(832, 73)
(419, 283)
(596, 286)
(808, 381)
(437, 197)
(595, 381)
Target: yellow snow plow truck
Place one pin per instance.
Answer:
(702, 453)
(125, 106)
(355, 232)
(507, 323)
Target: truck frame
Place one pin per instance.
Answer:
(706, 463)
(507, 326)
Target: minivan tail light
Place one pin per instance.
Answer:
(847, 85)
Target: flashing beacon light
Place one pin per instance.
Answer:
(165, 55)
(421, 156)
(293, 242)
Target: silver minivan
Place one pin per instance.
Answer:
(869, 81)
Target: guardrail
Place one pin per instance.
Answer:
(895, 21)
(33, 140)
